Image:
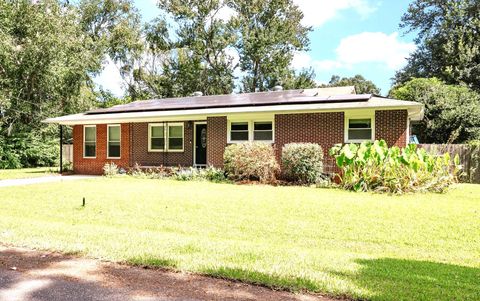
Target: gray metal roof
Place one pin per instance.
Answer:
(307, 96)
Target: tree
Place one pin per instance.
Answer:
(362, 85)
(304, 79)
(448, 44)
(452, 113)
(45, 63)
(196, 59)
(115, 27)
(269, 32)
(49, 52)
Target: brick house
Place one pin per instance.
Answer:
(194, 131)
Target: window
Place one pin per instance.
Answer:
(113, 141)
(161, 139)
(251, 130)
(263, 131)
(239, 131)
(175, 137)
(89, 141)
(359, 129)
(157, 138)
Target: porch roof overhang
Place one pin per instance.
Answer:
(415, 111)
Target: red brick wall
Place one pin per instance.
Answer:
(392, 127)
(326, 129)
(94, 166)
(216, 140)
(142, 156)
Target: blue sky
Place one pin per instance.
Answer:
(349, 37)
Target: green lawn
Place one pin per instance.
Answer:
(24, 173)
(360, 245)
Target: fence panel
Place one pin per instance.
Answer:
(469, 158)
(68, 152)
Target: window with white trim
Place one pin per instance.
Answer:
(175, 137)
(239, 131)
(89, 141)
(262, 131)
(114, 133)
(359, 129)
(166, 137)
(250, 130)
(156, 137)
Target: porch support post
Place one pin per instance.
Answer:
(61, 148)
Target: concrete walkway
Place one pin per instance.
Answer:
(47, 179)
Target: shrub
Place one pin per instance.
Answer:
(375, 166)
(189, 174)
(215, 175)
(110, 169)
(8, 157)
(159, 172)
(251, 160)
(302, 162)
(67, 166)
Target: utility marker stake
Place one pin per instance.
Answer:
(83, 202)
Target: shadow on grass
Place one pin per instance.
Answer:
(384, 278)
(401, 279)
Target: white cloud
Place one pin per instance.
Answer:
(374, 47)
(110, 79)
(366, 47)
(318, 12)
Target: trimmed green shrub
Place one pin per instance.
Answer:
(251, 161)
(302, 162)
(376, 167)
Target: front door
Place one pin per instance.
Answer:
(200, 144)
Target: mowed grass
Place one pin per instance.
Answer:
(359, 245)
(24, 173)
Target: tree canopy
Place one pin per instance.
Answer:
(361, 84)
(269, 32)
(452, 113)
(447, 40)
(49, 53)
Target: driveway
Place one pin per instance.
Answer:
(47, 179)
(40, 276)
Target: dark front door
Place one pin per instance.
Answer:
(200, 144)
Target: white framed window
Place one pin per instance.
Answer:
(166, 137)
(175, 137)
(156, 137)
(263, 131)
(89, 141)
(250, 130)
(359, 128)
(113, 141)
(239, 131)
